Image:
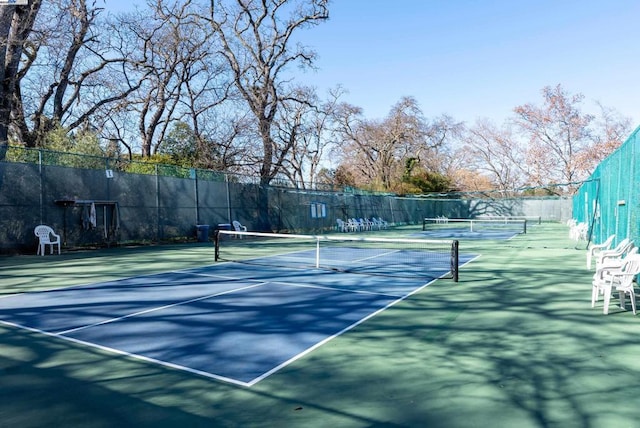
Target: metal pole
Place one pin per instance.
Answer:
(157, 205)
(226, 180)
(455, 260)
(42, 191)
(196, 197)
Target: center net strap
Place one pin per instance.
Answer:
(366, 255)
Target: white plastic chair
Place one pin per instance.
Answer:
(383, 223)
(375, 224)
(342, 226)
(578, 232)
(238, 227)
(364, 224)
(596, 249)
(46, 236)
(617, 253)
(620, 278)
(572, 223)
(353, 225)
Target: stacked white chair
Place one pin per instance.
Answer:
(376, 224)
(594, 250)
(354, 225)
(383, 224)
(578, 231)
(361, 224)
(619, 278)
(614, 255)
(365, 224)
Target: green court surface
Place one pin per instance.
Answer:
(515, 343)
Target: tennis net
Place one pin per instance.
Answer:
(531, 219)
(364, 255)
(475, 225)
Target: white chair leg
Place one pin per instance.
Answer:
(621, 296)
(607, 300)
(594, 296)
(632, 297)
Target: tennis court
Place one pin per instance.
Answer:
(233, 322)
(469, 229)
(513, 343)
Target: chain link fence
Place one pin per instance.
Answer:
(95, 201)
(608, 201)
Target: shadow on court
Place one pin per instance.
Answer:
(514, 343)
(230, 322)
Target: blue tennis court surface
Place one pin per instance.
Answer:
(463, 234)
(470, 229)
(228, 321)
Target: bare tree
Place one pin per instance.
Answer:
(557, 133)
(438, 153)
(610, 130)
(170, 65)
(376, 152)
(256, 37)
(290, 133)
(206, 89)
(68, 72)
(495, 153)
(16, 23)
(349, 130)
(308, 127)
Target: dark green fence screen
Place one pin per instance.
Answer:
(138, 203)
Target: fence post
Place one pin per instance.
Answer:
(193, 173)
(226, 180)
(41, 187)
(158, 233)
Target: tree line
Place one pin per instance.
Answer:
(212, 84)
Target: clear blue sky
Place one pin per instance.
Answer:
(479, 58)
(476, 58)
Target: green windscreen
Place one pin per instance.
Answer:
(608, 201)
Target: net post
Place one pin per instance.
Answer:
(216, 243)
(455, 260)
(525, 226)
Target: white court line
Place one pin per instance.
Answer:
(342, 290)
(344, 330)
(320, 287)
(129, 354)
(219, 377)
(146, 311)
(115, 281)
(333, 336)
(374, 256)
(98, 283)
